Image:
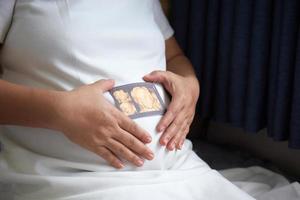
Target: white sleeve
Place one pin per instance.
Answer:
(161, 20)
(6, 13)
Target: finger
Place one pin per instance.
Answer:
(104, 84)
(185, 131)
(180, 137)
(130, 126)
(134, 144)
(183, 137)
(172, 129)
(173, 109)
(158, 76)
(175, 140)
(164, 77)
(107, 155)
(122, 151)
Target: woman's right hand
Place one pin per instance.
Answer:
(88, 119)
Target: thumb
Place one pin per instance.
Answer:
(156, 76)
(104, 84)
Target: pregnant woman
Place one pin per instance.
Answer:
(64, 137)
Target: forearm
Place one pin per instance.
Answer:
(25, 106)
(179, 64)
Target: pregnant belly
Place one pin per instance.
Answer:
(43, 149)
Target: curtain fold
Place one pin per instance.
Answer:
(247, 58)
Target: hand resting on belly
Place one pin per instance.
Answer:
(108, 132)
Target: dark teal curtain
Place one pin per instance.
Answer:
(247, 57)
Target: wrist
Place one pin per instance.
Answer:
(58, 109)
(194, 84)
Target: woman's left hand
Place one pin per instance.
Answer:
(175, 124)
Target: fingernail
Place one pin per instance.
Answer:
(177, 145)
(148, 139)
(161, 129)
(172, 146)
(166, 140)
(139, 162)
(121, 165)
(150, 155)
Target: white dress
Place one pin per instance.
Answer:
(63, 44)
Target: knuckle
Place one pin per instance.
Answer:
(184, 125)
(121, 150)
(107, 156)
(104, 154)
(167, 136)
(111, 143)
(176, 109)
(120, 135)
(102, 131)
(113, 127)
(114, 161)
(131, 141)
(172, 113)
(144, 151)
(176, 123)
(170, 134)
(133, 127)
(116, 117)
(174, 139)
(121, 120)
(113, 123)
(173, 129)
(133, 158)
(177, 136)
